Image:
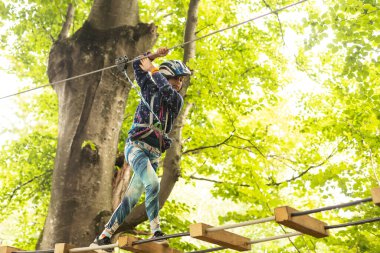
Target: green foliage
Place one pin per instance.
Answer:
(26, 166)
(90, 144)
(284, 112)
(34, 27)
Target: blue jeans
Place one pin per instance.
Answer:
(144, 163)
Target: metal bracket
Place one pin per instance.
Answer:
(122, 63)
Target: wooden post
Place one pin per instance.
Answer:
(222, 237)
(304, 224)
(7, 249)
(125, 242)
(376, 196)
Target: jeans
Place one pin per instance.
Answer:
(144, 163)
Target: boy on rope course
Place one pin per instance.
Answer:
(159, 106)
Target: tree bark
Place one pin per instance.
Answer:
(120, 184)
(171, 162)
(69, 21)
(108, 14)
(91, 111)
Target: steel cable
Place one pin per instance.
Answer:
(171, 48)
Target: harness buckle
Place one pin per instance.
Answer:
(122, 63)
(157, 125)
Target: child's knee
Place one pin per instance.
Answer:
(153, 187)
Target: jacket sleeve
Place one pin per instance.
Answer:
(170, 96)
(141, 76)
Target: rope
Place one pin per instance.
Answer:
(241, 23)
(83, 249)
(241, 224)
(61, 81)
(301, 213)
(246, 223)
(353, 223)
(272, 238)
(139, 58)
(160, 238)
(253, 242)
(209, 250)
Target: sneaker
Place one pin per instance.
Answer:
(159, 234)
(100, 242)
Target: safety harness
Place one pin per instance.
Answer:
(149, 128)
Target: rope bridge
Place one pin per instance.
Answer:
(284, 215)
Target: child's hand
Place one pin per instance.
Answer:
(161, 52)
(146, 65)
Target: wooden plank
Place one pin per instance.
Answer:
(376, 196)
(305, 224)
(65, 248)
(7, 249)
(125, 242)
(222, 237)
(62, 248)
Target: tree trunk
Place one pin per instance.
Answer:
(171, 162)
(91, 111)
(120, 183)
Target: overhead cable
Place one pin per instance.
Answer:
(171, 48)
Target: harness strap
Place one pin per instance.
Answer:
(146, 134)
(153, 128)
(151, 106)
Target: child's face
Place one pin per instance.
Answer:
(176, 82)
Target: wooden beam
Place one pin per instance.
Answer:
(222, 237)
(125, 242)
(7, 249)
(62, 248)
(376, 196)
(65, 248)
(304, 224)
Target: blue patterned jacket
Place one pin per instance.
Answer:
(166, 104)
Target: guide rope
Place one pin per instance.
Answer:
(171, 48)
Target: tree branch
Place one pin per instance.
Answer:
(283, 160)
(278, 19)
(196, 150)
(249, 69)
(305, 171)
(11, 195)
(202, 29)
(252, 145)
(191, 25)
(67, 24)
(216, 181)
(257, 149)
(48, 33)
